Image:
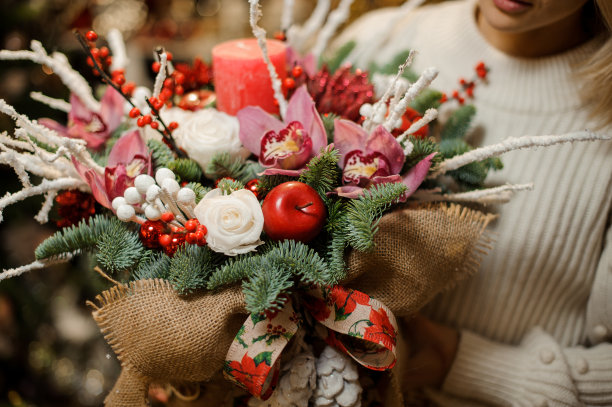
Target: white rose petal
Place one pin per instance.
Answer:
(234, 222)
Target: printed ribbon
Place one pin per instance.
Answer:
(360, 326)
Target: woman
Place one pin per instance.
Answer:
(534, 326)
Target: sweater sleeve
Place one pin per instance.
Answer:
(539, 372)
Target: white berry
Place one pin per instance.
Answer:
(125, 213)
(170, 186)
(117, 202)
(186, 196)
(152, 193)
(162, 174)
(152, 213)
(132, 196)
(143, 182)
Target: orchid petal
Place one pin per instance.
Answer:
(111, 109)
(349, 191)
(417, 174)
(383, 142)
(78, 110)
(95, 182)
(348, 137)
(126, 148)
(254, 123)
(116, 181)
(55, 126)
(93, 140)
(281, 171)
(301, 108)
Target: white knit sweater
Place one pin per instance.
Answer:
(536, 320)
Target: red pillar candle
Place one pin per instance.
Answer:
(241, 76)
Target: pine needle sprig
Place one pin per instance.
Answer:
(339, 56)
(160, 152)
(119, 249)
(224, 165)
(364, 213)
(228, 186)
(190, 268)
(322, 172)
(234, 270)
(421, 149)
(199, 190)
(76, 238)
(301, 260)
(428, 99)
(457, 125)
(268, 182)
(185, 169)
(328, 120)
(263, 289)
(157, 265)
(335, 256)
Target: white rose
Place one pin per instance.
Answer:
(234, 222)
(206, 132)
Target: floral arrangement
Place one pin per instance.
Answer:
(173, 185)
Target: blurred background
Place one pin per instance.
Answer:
(51, 351)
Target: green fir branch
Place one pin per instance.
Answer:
(268, 182)
(421, 149)
(234, 270)
(335, 256)
(228, 186)
(392, 66)
(190, 268)
(119, 249)
(185, 169)
(157, 265)
(224, 165)
(322, 172)
(339, 56)
(328, 120)
(160, 152)
(266, 284)
(300, 260)
(199, 190)
(428, 99)
(457, 125)
(364, 213)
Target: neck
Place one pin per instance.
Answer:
(551, 39)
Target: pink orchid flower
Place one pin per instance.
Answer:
(284, 147)
(95, 128)
(128, 158)
(369, 159)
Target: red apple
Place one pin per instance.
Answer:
(293, 210)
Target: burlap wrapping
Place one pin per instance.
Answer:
(158, 335)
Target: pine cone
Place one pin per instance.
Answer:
(295, 386)
(337, 381)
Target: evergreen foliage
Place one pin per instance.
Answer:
(266, 284)
(118, 248)
(76, 238)
(160, 152)
(457, 125)
(335, 256)
(267, 182)
(364, 213)
(233, 271)
(199, 190)
(190, 268)
(185, 169)
(391, 67)
(421, 149)
(228, 186)
(328, 122)
(340, 56)
(155, 265)
(224, 165)
(301, 260)
(428, 99)
(322, 172)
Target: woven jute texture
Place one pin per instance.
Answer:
(159, 335)
(419, 252)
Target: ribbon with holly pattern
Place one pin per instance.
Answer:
(360, 326)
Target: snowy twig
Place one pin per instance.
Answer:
(297, 36)
(43, 214)
(260, 34)
(336, 17)
(117, 47)
(429, 116)
(60, 66)
(161, 75)
(499, 194)
(513, 143)
(38, 264)
(57, 104)
(399, 108)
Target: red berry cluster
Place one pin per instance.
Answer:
(173, 84)
(196, 76)
(275, 329)
(101, 56)
(160, 234)
(73, 206)
(466, 89)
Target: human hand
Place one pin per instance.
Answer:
(432, 352)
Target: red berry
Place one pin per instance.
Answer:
(199, 235)
(90, 62)
(179, 90)
(462, 81)
(153, 100)
(135, 112)
(147, 119)
(164, 240)
(253, 186)
(91, 36)
(280, 36)
(168, 83)
(150, 232)
(158, 104)
(173, 125)
(104, 52)
(482, 73)
(443, 98)
(480, 65)
(175, 242)
(461, 100)
(469, 92)
(165, 94)
(169, 56)
(179, 78)
(191, 238)
(297, 71)
(456, 94)
(154, 125)
(119, 80)
(108, 61)
(155, 66)
(203, 229)
(289, 83)
(191, 225)
(167, 217)
(128, 88)
(95, 52)
(140, 122)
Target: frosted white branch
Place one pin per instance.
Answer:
(36, 265)
(60, 66)
(429, 116)
(514, 143)
(297, 36)
(161, 75)
(398, 110)
(287, 15)
(379, 109)
(57, 104)
(260, 34)
(43, 214)
(336, 17)
(42, 188)
(117, 47)
(501, 194)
